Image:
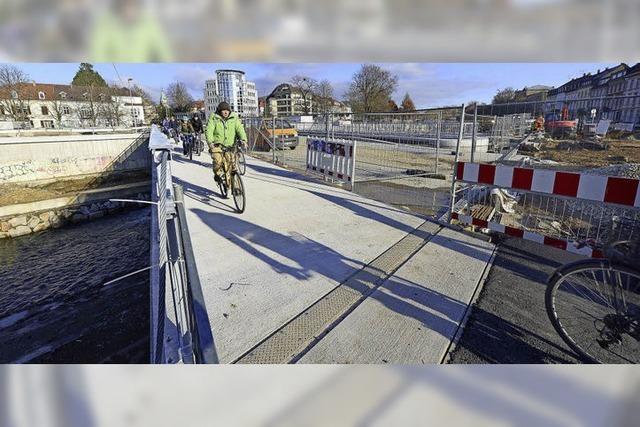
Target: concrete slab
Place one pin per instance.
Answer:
(296, 241)
(414, 315)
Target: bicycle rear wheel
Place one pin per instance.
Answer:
(237, 190)
(595, 308)
(241, 163)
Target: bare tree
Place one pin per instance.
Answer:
(111, 110)
(504, 95)
(371, 89)
(88, 111)
(324, 97)
(13, 92)
(179, 97)
(307, 87)
(56, 106)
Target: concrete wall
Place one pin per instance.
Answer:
(28, 159)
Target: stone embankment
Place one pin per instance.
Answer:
(34, 222)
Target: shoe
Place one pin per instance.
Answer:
(217, 178)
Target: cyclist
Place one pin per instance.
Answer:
(223, 128)
(187, 136)
(174, 128)
(196, 122)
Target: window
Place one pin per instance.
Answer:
(45, 110)
(85, 113)
(48, 124)
(14, 94)
(41, 95)
(66, 109)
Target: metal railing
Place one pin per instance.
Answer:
(181, 333)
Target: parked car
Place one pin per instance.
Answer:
(278, 131)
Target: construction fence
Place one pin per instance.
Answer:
(411, 160)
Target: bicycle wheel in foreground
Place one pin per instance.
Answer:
(242, 163)
(595, 307)
(237, 190)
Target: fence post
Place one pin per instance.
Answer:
(455, 163)
(273, 139)
(438, 129)
(474, 133)
(327, 125)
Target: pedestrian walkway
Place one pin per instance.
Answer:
(313, 273)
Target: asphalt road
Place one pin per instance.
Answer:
(509, 323)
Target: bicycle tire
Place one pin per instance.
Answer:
(237, 191)
(241, 163)
(591, 354)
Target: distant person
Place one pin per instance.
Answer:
(223, 129)
(128, 33)
(198, 128)
(186, 130)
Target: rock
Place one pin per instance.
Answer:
(57, 222)
(85, 210)
(45, 216)
(4, 226)
(78, 217)
(33, 222)
(21, 230)
(66, 213)
(41, 226)
(94, 207)
(4, 235)
(17, 221)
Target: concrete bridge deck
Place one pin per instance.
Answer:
(310, 273)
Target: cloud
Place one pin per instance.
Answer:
(194, 78)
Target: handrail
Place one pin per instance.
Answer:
(175, 274)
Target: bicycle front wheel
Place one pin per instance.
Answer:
(241, 163)
(237, 190)
(595, 307)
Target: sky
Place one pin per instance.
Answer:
(428, 84)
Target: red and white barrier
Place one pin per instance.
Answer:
(606, 189)
(566, 245)
(333, 158)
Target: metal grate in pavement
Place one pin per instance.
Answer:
(297, 336)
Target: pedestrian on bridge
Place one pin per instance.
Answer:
(223, 129)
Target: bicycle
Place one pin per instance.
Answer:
(231, 181)
(187, 145)
(594, 305)
(241, 162)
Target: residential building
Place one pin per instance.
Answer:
(233, 87)
(631, 111)
(288, 100)
(43, 105)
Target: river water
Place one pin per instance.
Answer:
(54, 304)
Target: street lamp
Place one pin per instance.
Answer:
(133, 119)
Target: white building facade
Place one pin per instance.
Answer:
(233, 87)
(53, 106)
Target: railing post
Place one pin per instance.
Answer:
(474, 132)
(455, 164)
(438, 130)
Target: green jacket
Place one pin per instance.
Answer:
(225, 132)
